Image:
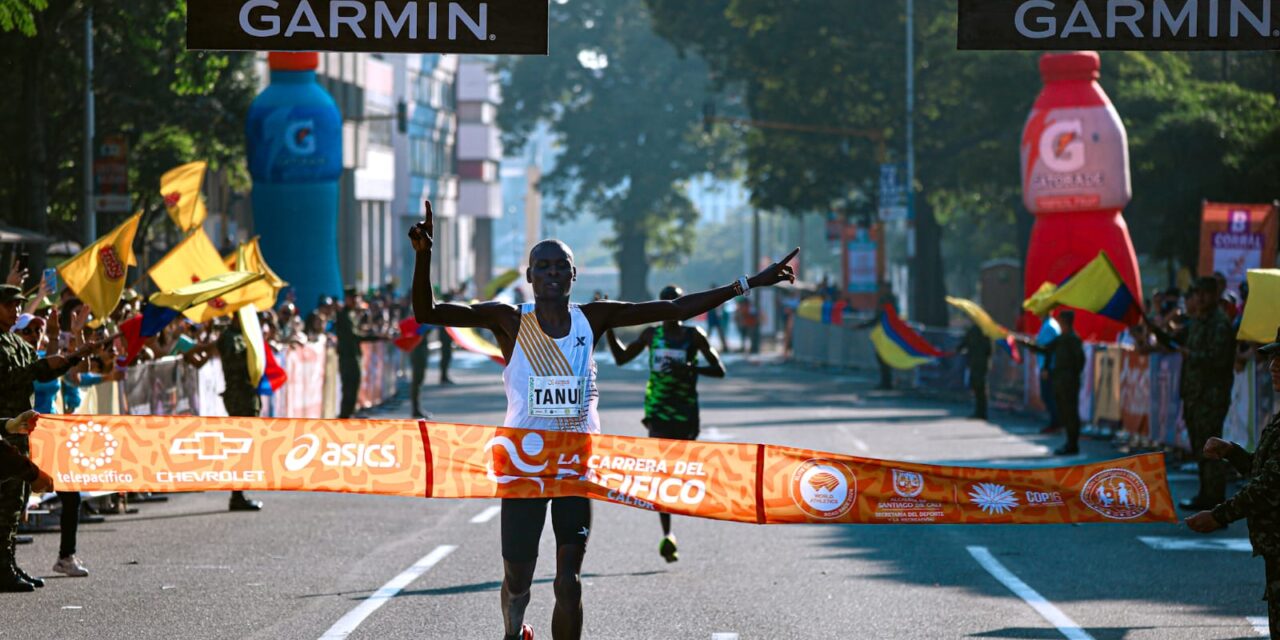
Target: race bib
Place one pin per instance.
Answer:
(664, 358)
(557, 396)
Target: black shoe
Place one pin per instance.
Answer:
(1195, 504)
(446, 381)
(11, 583)
(35, 582)
(245, 504)
(1066, 451)
(423, 415)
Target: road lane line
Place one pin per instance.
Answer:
(724, 636)
(486, 515)
(348, 623)
(1066, 626)
(857, 442)
(1164, 543)
(1261, 625)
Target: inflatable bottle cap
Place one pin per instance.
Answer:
(293, 60)
(1073, 65)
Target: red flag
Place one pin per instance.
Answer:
(274, 374)
(410, 334)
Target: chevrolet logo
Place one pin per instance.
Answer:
(210, 445)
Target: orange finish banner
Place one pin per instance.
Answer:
(764, 484)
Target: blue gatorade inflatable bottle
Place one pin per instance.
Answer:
(294, 133)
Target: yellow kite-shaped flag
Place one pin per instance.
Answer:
(180, 188)
(1262, 311)
(255, 344)
(980, 317)
(194, 260)
(218, 286)
(499, 283)
(97, 273)
(248, 257)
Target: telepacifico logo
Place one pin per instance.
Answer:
(824, 489)
(523, 457)
(300, 137)
(907, 484)
(92, 445)
(1062, 146)
(331, 454)
(1118, 494)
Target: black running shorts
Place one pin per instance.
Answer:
(523, 518)
(685, 430)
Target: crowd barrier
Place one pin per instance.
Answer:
(170, 386)
(1121, 389)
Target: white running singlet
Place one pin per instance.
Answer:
(551, 384)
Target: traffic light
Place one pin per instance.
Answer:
(402, 117)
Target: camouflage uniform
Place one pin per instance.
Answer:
(1205, 388)
(1259, 502)
(19, 371)
(241, 397)
(977, 348)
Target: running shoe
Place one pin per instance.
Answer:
(667, 548)
(526, 633)
(71, 567)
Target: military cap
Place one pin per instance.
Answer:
(9, 293)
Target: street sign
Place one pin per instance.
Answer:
(893, 192)
(391, 26)
(111, 175)
(1152, 25)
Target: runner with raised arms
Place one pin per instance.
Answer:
(550, 385)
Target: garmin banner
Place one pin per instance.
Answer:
(754, 483)
(1155, 25)
(390, 26)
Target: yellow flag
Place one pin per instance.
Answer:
(180, 188)
(499, 283)
(255, 352)
(1262, 311)
(201, 292)
(97, 273)
(191, 261)
(980, 317)
(248, 257)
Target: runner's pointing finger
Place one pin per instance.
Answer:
(790, 256)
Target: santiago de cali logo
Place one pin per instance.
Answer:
(92, 445)
(993, 498)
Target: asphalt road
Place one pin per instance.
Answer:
(313, 564)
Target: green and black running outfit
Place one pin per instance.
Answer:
(671, 395)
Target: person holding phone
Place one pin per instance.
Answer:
(549, 342)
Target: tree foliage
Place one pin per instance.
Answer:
(625, 111)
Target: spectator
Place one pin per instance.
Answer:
(1066, 355)
(1049, 331)
(977, 349)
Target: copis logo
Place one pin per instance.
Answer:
(523, 457)
(1119, 494)
(824, 489)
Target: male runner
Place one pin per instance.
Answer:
(671, 395)
(550, 338)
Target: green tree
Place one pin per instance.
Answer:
(624, 108)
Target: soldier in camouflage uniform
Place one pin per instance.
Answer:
(240, 397)
(349, 338)
(19, 371)
(1208, 350)
(1259, 500)
(671, 395)
(1066, 353)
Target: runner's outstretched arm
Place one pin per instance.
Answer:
(608, 314)
(449, 314)
(623, 355)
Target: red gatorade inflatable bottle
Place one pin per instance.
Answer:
(1075, 180)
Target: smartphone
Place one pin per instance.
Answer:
(51, 276)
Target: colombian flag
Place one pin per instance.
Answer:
(990, 327)
(1097, 287)
(820, 310)
(898, 344)
(411, 334)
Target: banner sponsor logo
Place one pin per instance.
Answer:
(1043, 498)
(404, 26)
(331, 454)
(524, 458)
(210, 445)
(823, 488)
(993, 499)
(1152, 25)
(1116, 493)
(907, 484)
(1061, 146)
(299, 137)
(92, 445)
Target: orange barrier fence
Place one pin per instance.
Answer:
(763, 484)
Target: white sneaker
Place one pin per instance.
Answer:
(70, 566)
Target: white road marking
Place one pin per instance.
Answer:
(1197, 544)
(348, 623)
(714, 434)
(1066, 626)
(724, 636)
(857, 442)
(486, 515)
(1261, 625)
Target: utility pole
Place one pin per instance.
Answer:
(90, 216)
(911, 150)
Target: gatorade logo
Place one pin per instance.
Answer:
(1062, 146)
(299, 137)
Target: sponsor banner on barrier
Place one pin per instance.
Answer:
(724, 481)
